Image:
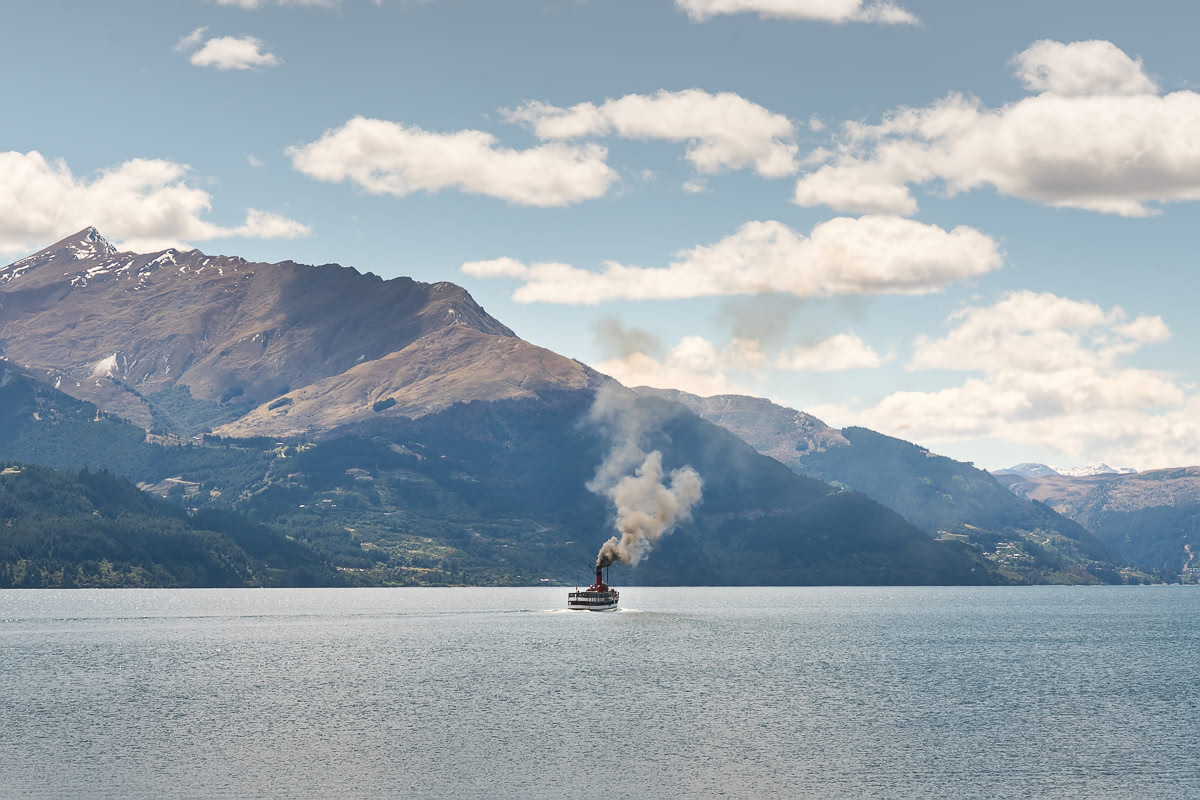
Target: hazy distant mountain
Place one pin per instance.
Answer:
(1147, 517)
(1027, 470)
(1030, 470)
(184, 341)
(946, 498)
(1094, 469)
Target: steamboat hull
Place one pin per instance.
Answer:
(598, 597)
(593, 601)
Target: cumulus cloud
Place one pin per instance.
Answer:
(389, 158)
(233, 52)
(1098, 137)
(694, 365)
(1081, 68)
(842, 256)
(1048, 371)
(146, 203)
(698, 366)
(723, 131)
(837, 353)
(835, 11)
(1037, 333)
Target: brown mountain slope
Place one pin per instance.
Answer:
(1069, 496)
(117, 328)
(1085, 498)
(1152, 517)
(455, 364)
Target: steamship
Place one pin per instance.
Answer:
(597, 597)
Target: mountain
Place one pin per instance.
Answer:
(183, 342)
(494, 493)
(1028, 470)
(65, 529)
(1094, 469)
(455, 364)
(1151, 518)
(946, 498)
(392, 427)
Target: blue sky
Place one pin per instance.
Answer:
(1055, 325)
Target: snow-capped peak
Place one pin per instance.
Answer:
(1030, 470)
(90, 244)
(86, 245)
(1093, 469)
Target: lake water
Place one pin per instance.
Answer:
(823, 693)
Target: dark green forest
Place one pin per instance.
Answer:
(95, 529)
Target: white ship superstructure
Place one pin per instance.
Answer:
(597, 597)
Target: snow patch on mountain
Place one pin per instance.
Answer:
(105, 367)
(91, 245)
(1029, 470)
(87, 245)
(1093, 469)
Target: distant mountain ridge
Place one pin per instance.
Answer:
(1032, 470)
(1094, 469)
(1151, 517)
(1027, 470)
(946, 498)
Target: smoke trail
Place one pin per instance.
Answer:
(647, 507)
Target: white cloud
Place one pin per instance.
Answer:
(843, 256)
(192, 40)
(694, 365)
(146, 203)
(836, 11)
(1048, 372)
(254, 161)
(841, 352)
(723, 131)
(265, 225)
(1098, 137)
(233, 52)
(389, 158)
(695, 186)
(1081, 68)
(1036, 333)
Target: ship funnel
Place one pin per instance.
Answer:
(599, 575)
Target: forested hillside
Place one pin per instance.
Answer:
(67, 529)
(495, 493)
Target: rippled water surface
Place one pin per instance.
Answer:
(821, 693)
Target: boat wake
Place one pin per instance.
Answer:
(571, 611)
